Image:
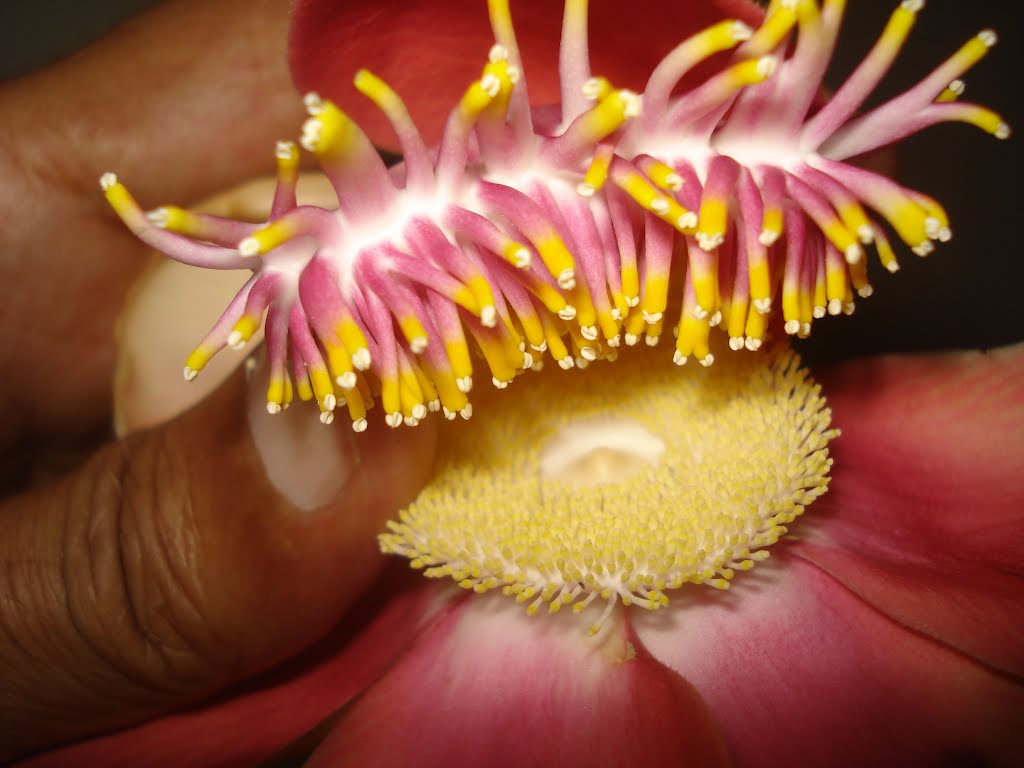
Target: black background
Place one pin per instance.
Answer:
(966, 294)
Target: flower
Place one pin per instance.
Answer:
(851, 647)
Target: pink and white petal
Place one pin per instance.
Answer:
(429, 52)
(925, 516)
(798, 671)
(245, 727)
(488, 685)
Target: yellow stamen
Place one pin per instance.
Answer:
(547, 525)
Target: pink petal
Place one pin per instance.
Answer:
(925, 517)
(430, 52)
(798, 671)
(489, 686)
(246, 727)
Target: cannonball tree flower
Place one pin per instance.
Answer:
(887, 632)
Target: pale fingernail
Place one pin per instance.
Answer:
(308, 462)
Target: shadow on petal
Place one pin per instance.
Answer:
(925, 516)
(487, 685)
(798, 671)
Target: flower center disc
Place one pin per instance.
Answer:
(621, 482)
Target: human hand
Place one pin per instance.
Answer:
(168, 565)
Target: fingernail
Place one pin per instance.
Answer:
(308, 462)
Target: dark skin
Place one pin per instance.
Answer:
(141, 575)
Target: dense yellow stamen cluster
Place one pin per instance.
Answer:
(743, 449)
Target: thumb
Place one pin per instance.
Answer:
(185, 558)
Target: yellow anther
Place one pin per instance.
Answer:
(330, 134)
(124, 205)
(652, 199)
(197, 360)
(951, 92)
(243, 330)
(610, 114)
(355, 343)
(175, 219)
(778, 23)
(713, 220)
(555, 255)
(414, 332)
(264, 240)
(750, 72)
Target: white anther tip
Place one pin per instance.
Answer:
(273, 408)
(514, 75)
(346, 380)
(674, 182)
(434, 405)
(285, 150)
(853, 254)
(687, 221)
(158, 217)
(522, 258)
(359, 425)
(818, 312)
(250, 246)
(489, 316)
(498, 383)
(393, 420)
(865, 234)
(631, 339)
(330, 402)
(792, 327)
(988, 37)
(753, 344)
(652, 341)
(418, 344)
(592, 88)
(567, 279)
(766, 66)
(568, 312)
(448, 414)
(235, 340)
(631, 103)
(763, 306)
(361, 359)
(835, 306)
(326, 417)
(849, 308)
(660, 205)
(893, 267)
(588, 353)
(768, 237)
(707, 360)
(313, 103)
(679, 358)
(699, 313)
(527, 360)
(583, 189)
(581, 363)
(465, 384)
(107, 180)
(913, 6)
(566, 363)
(741, 31)
(865, 291)
(490, 84)
(589, 332)
(736, 343)
(1002, 131)
(190, 373)
(652, 317)
(467, 412)
(715, 319)
(497, 53)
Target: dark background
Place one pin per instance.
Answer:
(968, 294)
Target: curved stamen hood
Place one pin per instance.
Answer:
(521, 237)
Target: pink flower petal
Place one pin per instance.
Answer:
(925, 517)
(430, 52)
(798, 671)
(245, 727)
(488, 685)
